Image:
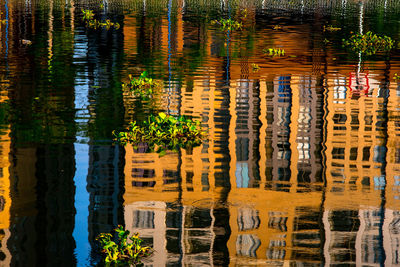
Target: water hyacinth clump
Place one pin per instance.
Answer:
(122, 249)
(162, 132)
(142, 86)
(369, 43)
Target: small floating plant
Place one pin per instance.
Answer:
(330, 28)
(2, 21)
(274, 52)
(228, 24)
(91, 22)
(369, 43)
(141, 86)
(255, 67)
(162, 132)
(122, 249)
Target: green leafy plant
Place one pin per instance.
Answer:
(142, 86)
(122, 248)
(228, 24)
(162, 132)
(274, 52)
(369, 43)
(396, 77)
(87, 14)
(91, 22)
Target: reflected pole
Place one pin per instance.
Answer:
(169, 57)
(384, 93)
(361, 13)
(6, 33)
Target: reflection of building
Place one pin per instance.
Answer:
(5, 198)
(271, 227)
(354, 154)
(41, 167)
(361, 178)
(281, 114)
(362, 237)
(274, 139)
(185, 234)
(282, 218)
(247, 134)
(103, 185)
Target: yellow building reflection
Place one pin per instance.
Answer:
(300, 167)
(5, 198)
(279, 209)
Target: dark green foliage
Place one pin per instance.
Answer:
(369, 43)
(163, 132)
(142, 86)
(122, 249)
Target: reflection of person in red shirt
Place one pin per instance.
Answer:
(359, 82)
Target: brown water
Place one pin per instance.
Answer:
(300, 167)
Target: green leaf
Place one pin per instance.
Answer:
(162, 153)
(144, 74)
(162, 115)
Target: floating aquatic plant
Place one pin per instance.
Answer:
(228, 24)
(330, 28)
(255, 67)
(142, 86)
(369, 43)
(162, 132)
(91, 22)
(26, 42)
(274, 51)
(87, 14)
(123, 249)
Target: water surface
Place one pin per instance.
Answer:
(300, 167)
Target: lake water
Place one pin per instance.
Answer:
(300, 167)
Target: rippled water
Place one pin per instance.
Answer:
(301, 165)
